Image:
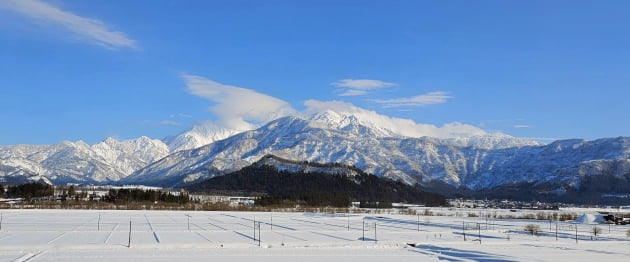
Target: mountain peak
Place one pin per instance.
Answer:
(200, 134)
(329, 119)
(332, 117)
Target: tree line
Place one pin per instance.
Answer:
(125, 195)
(44, 192)
(281, 187)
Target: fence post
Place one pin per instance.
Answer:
(487, 217)
(348, 215)
(257, 225)
(576, 236)
(375, 241)
(464, 229)
(129, 243)
(479, 228)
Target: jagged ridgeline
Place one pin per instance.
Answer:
(280, 181)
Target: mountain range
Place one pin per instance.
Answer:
(480, 161)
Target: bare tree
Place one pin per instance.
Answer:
(534, 229)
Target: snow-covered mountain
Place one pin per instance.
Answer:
(78, 162)
(372, 124)
(104, 162)
(330, 138)
(201, 134)
(384, 147)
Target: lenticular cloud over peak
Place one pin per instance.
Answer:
(235, 107)
(243, 109)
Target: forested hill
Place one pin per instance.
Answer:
(316, 188)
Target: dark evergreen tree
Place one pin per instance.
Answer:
(30, 190)
(71, 191)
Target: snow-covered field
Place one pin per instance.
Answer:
(92, 235)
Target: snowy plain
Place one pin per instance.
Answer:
(103, 235)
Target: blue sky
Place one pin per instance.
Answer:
(86, 70)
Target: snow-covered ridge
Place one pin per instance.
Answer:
(475, 162)
(109, 160)
(306, 167)
(201, 134)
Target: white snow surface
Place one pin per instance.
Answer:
(99, 235)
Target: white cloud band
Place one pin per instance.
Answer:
(236, 107)
(91, 30)
(358, 87)
(430, 98)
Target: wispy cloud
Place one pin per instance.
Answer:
(180, 115)
(544, 140)
(522, 126)
(358, 87)
(91, 30)
(169, 123)
(237, 108)
(430, 98)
